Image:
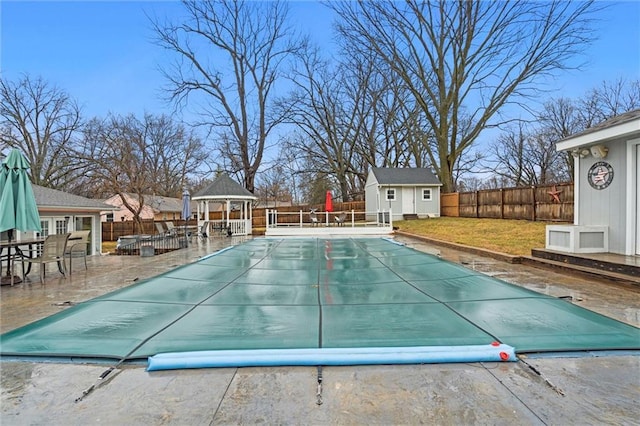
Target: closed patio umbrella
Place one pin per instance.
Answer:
(18, 209)
(186, 205)
(186, 209)
(329, 202)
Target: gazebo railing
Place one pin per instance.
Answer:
(232, 226)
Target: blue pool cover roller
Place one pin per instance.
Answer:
(495, 352)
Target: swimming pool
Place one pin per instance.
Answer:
(293, 294)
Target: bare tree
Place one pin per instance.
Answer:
(351, 116)
(176, 155)
(127, 156)
(472, 56)
(510, 153)
(523, 158)
(562, 117)
(42, 121)
(274, 186)
(559, 119)
(230, 56)
(116, 149)
(611, 98)
(328, 122)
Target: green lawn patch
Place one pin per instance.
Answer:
(515, 237)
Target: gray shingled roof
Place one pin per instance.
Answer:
(52, 198)
(404, 176)
(160, 203)
(611, 122)
(224, 187)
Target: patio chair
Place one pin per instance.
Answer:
(77, 246)
(204, 230)
(53, 250)
(172, 231)
(313, 218)
(340, 219)
(161, 231)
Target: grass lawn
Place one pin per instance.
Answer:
(109, 246)
(516, 237)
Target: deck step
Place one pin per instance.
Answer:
(587, 262)
(410, 216)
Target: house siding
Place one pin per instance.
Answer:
(396, 205)
(606, 206)
(370, 197)
(429, 208)
(613, 209)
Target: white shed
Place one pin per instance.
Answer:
(607, 189)
(407, 192)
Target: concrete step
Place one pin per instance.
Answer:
(591, 271)
(588, 262)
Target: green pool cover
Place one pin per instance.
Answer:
(316, 293)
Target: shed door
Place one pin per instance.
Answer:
(408, 200)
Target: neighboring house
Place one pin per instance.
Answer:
(407, 192)
(607, 189)
(62, 212)
(155, 207)
(272, 203)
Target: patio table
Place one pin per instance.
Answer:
(32, 244)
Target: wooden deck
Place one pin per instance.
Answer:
(614, 266)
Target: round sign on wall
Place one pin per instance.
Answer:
(600, 175)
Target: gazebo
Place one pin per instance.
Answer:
(232, 197)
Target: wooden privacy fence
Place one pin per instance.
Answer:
(450, 204)
(543, 203)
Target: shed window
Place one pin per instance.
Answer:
(391, 194)
(426, 194)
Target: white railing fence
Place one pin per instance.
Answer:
(235, 226)
(353, 219)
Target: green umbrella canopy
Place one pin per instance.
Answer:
(18, 209)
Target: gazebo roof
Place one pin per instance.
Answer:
(224, 188)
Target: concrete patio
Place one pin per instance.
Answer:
(566, 390)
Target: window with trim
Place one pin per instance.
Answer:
(426, 194)
(391, 194)
(61, 226)
(44, 224)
